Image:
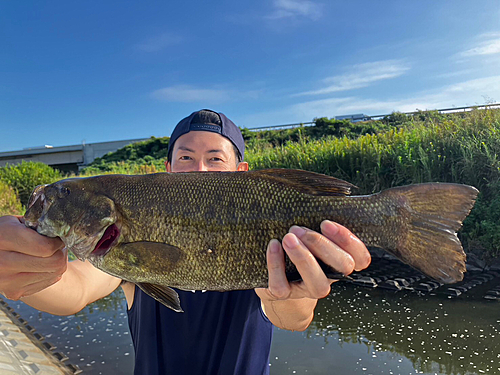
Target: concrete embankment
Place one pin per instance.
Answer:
(387, 273)
(23, 351)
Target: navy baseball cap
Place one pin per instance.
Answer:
(208, 121)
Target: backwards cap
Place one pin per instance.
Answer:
(208, 121)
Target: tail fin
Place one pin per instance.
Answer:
(434, 213)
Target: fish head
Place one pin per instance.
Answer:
(83, 218)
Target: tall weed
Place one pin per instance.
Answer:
(460, 148)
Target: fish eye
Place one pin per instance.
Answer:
(64, 191)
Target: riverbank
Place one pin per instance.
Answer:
(22, 351)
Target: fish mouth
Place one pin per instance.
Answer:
(108, 240)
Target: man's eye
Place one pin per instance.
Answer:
(216, 159)
(184, 158)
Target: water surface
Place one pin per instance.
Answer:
(357, 330)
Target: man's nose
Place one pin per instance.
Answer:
(201, 166)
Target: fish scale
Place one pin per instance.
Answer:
(210, 230)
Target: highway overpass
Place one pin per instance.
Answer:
(65, 158)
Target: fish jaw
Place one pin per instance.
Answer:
(83, 247)
(36, 216)
(75, 214)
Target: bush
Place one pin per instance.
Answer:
(140, 166)
(155, 148)
(9, 202)
(24, 177)
(481, 230)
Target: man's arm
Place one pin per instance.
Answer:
(79, 286)
(291, 305)
(35, 268)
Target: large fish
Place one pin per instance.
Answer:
(210, 230)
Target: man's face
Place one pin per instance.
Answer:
(200, 151)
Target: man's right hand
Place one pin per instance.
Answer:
(29, 262)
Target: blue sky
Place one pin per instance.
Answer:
(95, 71)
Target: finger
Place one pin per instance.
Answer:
(39, 286)
(13, 262)
(322, 248)
(312, 275)
(32, 284)
(348, 242)
(278, 284)
(15, 236)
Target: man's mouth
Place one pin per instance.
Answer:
(107, 241)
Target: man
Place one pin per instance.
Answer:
(219, 333)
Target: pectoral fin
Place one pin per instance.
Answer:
(155, 257)
(163, 294)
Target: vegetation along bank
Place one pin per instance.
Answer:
(374, 155)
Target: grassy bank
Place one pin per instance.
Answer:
(459, 148)
(398, 150)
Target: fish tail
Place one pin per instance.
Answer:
(427, 237)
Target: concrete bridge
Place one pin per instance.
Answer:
(65, 158)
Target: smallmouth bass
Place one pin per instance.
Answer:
(210, 230)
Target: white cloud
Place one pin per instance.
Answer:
(467, 93)
(489, 46)
(361, 75)
(159, 42)
(189, 94)
(192, 94)
(295, 8)
(472, 92)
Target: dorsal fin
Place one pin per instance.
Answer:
(307, 182)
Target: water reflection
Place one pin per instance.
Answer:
(436, 334)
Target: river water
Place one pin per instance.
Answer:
(357, 330)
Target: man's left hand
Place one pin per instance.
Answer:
(336, 246)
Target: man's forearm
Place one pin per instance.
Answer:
(80, 285)
(290, 314)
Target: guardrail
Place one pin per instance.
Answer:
(378, 117)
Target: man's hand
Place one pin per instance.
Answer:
(336, 246)
(29, 262)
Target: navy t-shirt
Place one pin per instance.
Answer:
(218, 333)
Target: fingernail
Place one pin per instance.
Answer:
(274, 246)
(298, 231)
(290, 241)
(330, 227)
